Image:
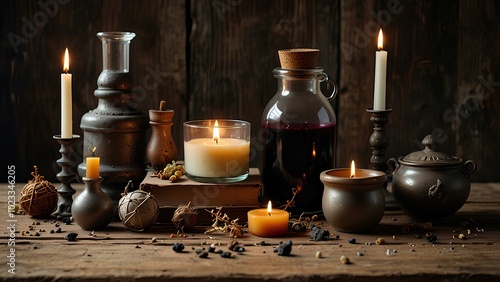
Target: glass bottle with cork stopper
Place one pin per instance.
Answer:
(299, 126)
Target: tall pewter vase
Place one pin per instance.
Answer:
(115, 127)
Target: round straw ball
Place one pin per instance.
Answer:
(300, 58)
(38, 198)
(138, 210)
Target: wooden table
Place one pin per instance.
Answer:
(122, 255)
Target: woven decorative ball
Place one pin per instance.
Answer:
(38, 197)
(185, 217)
(138, 210)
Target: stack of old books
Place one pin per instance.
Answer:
(236, 199)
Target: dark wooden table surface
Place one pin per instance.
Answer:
(122, 255)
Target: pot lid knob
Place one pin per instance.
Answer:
(430, 157)
(428, 142)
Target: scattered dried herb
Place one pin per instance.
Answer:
(230, 226)
(319, 234)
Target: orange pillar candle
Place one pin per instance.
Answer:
(92, 166)
(268, 222)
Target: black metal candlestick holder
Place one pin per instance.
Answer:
(379, 140)
(66, 176)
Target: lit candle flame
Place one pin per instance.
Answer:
(380, 40)
(66, 61)
(216, 132)
(269, 208)
(93, 151)
(314, 150)
(353, 170)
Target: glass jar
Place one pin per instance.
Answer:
(299, 126)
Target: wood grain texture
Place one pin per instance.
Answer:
(422, 75)
(214, 59)
(475, 113)
(357, 60)
(234, 48)
(157, 64)
(120, 254)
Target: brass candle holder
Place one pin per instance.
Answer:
(65, 176)
(379, 140)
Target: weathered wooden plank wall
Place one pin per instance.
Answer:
(215, 59)
(234, 51)
(157, 63)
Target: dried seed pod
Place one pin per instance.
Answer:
(185, 217)
(71, 236)
(178, 247)
(203, 255)
(431, 237)
(344, 259)
(232, 244)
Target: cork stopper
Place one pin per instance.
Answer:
(162, 114)
(300, 58)
(163, 105)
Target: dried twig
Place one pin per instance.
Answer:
(290, 203)
(230, 226)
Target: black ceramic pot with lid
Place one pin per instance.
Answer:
(430, 185)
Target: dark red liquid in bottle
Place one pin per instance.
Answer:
(293, 157)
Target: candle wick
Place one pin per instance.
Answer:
(92, 150)
(216, 141)
(352, 176)
(269, 213)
